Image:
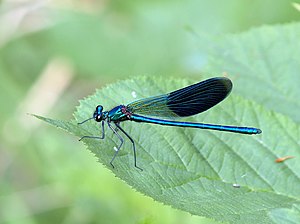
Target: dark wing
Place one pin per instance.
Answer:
(184, 102)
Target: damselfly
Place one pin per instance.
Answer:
(184, 102)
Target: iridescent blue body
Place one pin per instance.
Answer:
(184, 102)
(242, 130)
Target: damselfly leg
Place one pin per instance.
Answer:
(133, 144)
(118, 149)
(95, 137)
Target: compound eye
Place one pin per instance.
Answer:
(99, 109)
(98, 118)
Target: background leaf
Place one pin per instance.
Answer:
(267, 58)
(195, 170)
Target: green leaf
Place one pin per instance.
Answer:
(196, 170)
(266, 58)
(283, 215)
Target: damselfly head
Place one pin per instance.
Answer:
(98, 114)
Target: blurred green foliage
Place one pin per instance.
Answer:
(46, 175)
